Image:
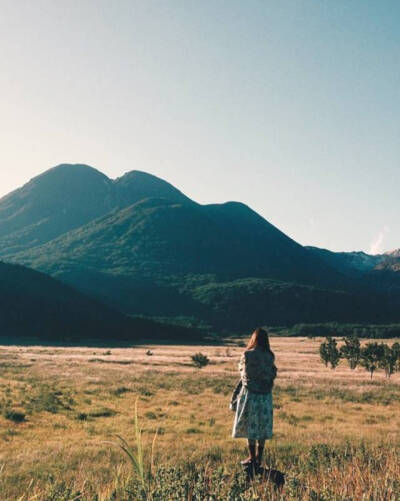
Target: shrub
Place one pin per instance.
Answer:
(46, 398)
(145, 392)
(14, 415)
(199, 360)
(121, 390)
(193, 431)
(101, 412)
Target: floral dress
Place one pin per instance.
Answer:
(254, 408)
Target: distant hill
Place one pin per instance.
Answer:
(36, 307)
(378, 272)
(349, 262)
(356, 262)
(392, 253)
(67, 197)
(364, 265)
(390, 264)
(390, 261)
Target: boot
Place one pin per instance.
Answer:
(252, 457)
(259, 456)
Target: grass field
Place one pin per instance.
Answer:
(336, 433)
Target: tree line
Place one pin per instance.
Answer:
(372, 356)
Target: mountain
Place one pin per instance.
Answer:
(137, 185)
(390, 261)
(37, 307)
(146, 249)
(222, 265)
(393, 253)
(349, 262)
(378, 272)
(359, 262)
(67, 197)
(157, 237)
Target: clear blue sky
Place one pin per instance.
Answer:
(292, 107)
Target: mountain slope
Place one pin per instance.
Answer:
(391, 263)
(165, 259)
(67, 197)
(144, 248)
(62, 198)
(243, 303)
(156, 237)
(372, 273)
(359, 262)
(348, 262)
(37, 307)
(137, 185)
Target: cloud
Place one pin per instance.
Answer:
(376, 246)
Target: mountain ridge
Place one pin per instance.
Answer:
(217, 233)
(356, 261)
(359, 261)
(66, 197)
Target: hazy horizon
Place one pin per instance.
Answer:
(290, 107)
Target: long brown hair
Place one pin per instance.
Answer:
(260, 339)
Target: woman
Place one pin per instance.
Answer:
(253, 406)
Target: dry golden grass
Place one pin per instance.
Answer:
(77, 400)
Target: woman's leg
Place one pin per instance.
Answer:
(260, 450)
(252, 453)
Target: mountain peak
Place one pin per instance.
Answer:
(139, 174)
(54, 202)
(68, 196)
(63, 170)
(136, 185)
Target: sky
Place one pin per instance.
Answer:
(292, 107)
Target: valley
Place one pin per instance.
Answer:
(329, 424)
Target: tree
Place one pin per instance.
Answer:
(351, 350)
(200, 360)
(389, 360)
(371, 356)
(329, 352)
(396, 349)
(324, 353)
